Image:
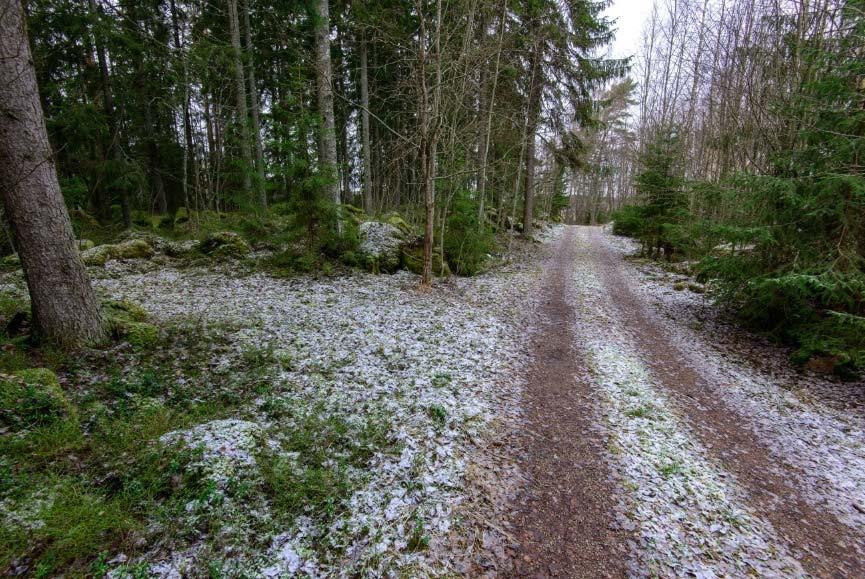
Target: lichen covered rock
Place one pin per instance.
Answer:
(380, 245)
(31, 398)
(224, 244)
(98, 255)
(85, 244)
(130, 249)
(134, 249)
(181, 248)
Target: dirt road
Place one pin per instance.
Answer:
(658, 441)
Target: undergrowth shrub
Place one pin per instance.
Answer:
(467, 243)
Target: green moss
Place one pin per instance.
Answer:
(125, 309)
(224, 244)
(181, 215)
(133, 249)
(85, 244)
(397, 221)
(98, 255)
(412, 260)
(130, 249)
(141, 335)
(32, 397)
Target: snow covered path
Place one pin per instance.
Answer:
(567, 414)
(720, 468)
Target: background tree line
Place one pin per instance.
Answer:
(748, 162)
(387, 106)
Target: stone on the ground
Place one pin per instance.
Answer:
(181, 248)
(85, 244)
(130, 249)
(381, 244)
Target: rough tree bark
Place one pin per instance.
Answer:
(260, 190)
(64, 306)
(240, 96)
(324, 80)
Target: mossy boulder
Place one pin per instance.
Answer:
(380, 245)
(224, 244)
(130, 249)
(134, 249)
(32, 397)
(397, 221)
(85, 244)
(128, 321)
(98, 255)
(181, 248)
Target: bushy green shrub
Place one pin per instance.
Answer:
(467, 242)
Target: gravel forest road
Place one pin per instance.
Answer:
(661, 441)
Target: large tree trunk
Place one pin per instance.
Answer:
(240, 96)
(324, 80)
(534, 113)
(260, 190)
(64, 306)
(364, 120)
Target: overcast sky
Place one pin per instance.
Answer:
(630, 16)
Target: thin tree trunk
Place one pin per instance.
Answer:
(260, 190)
(487, 128)
(324, 80)
(108, 104)
(64, 306)
(240, 96)
(534, 112)
(364, 119)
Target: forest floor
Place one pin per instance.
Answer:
(654, 427)
(574, 412)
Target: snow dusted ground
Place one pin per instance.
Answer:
(812, 422)
(691, 517)
(438, 366)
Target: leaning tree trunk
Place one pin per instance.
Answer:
(324, 80)
(65, 310)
